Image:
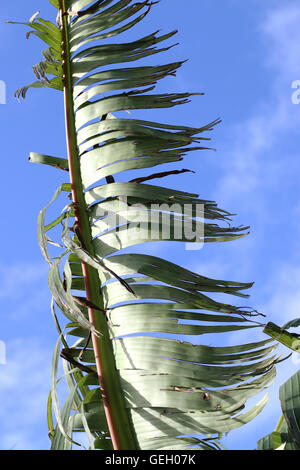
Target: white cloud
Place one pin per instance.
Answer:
(282, 303)
(16, 278)
(24, 388)
(25, 377)
(282, 27)
(253, 163)
(213, 269)
(283, 292)
(23, 289)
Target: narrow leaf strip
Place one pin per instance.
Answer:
(159, 175)
(64, 299)
(84, 256)
(54, 393)
(290, 340)
(60, 163)
(41, 222)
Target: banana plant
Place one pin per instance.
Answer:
(287, 433)
(135, 380)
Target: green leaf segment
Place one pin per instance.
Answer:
(287, 433)
(132, 386)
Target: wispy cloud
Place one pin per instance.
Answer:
(281, 27)
(252, 163)
(25, 377)
(257, 163)
(283, 292)
(23, 289)
(24, 387)
(17, 277)
(281, 301)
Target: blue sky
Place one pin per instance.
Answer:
(244, 56)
